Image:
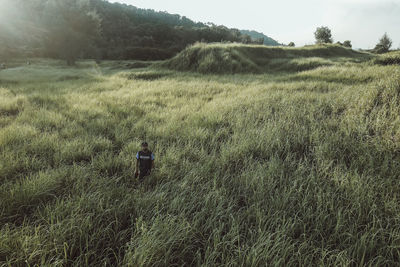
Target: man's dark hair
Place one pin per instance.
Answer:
(145, 144)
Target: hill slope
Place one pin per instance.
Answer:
(257, 35)
(238, 58)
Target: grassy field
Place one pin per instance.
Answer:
(283, 168)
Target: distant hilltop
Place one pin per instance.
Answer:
(258, 35)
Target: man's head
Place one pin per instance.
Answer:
(145, 146)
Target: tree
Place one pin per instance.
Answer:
(347, 43)
(385, 43)
(7, 51)
(246, 39)
(17, 37)
(323, 35)
(291, 44)
(259, 41)
(73, 28)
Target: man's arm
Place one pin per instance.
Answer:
(152, 161)
(137, 164)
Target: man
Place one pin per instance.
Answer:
(144, 162)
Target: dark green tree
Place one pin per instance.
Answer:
(291, 44)
(347, 43)
(323, 35)
(17, 37)
(259, 41)
(73, 27)
(385, 43)
(246, 39)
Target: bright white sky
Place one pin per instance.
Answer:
(361, 21)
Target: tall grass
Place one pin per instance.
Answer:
(392, 58)
(238, 58)
(295, 168)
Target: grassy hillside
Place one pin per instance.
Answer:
(238, 58)
(288, 168)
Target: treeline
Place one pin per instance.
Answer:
(260, 38)
(324, 35)
(71, 29)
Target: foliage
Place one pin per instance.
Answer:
(385, 43)
(292, 44)
(16, 36)
(73, 27)
(102, 30)
(323, 35)
(347, 43)
(266, 40)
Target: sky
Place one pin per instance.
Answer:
(361, 21)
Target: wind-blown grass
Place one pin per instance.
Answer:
(238, 58)
(392, 58)
(295, 168)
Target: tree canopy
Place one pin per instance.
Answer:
(323, 35)
(385, 43)
(347, 43)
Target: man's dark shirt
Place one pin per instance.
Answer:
(145, 160)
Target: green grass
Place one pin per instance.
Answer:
(238, 58)
(392, 58)
(283, 168)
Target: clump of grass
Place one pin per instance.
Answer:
(118, 65)
(147, 75)
(10, 105)
(68, 78)
(138, 65)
